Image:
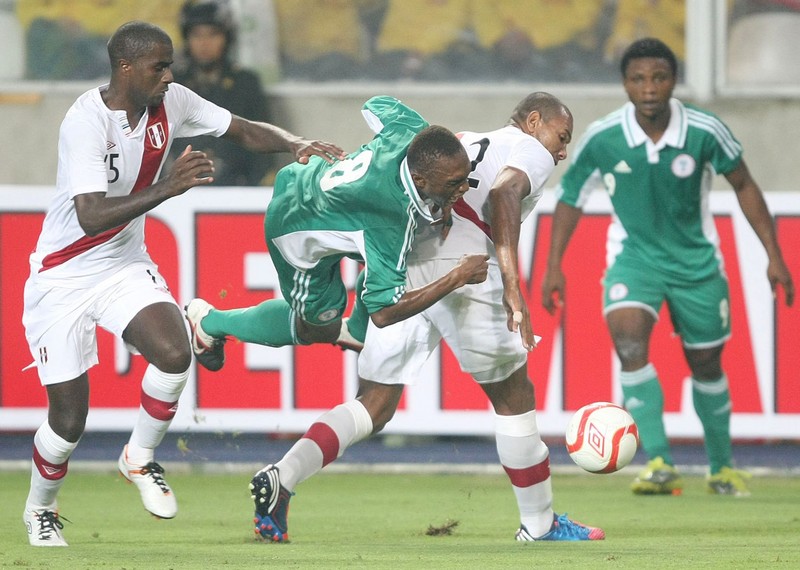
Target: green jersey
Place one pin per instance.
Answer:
(659, 191)
(364, 207)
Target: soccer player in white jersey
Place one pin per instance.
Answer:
(487, 325)
(655, 157)
(90, 267)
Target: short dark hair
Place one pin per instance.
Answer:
(431, 144)
(548, 106)
(649, 47)
(134, 40)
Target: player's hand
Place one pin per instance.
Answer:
(473, 268)
(191, 168)
(553, 290)
(304, 149)
(519, 318)
(778, 274)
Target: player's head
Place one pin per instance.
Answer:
(141, 56)
(649, 73)
(208, 29)
(439, 165)
(648, 47)
(544, 117)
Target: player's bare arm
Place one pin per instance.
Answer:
(565, 219)
(472, 268)
(751, 201)
(264, 137)
(98, 212)
(505, 209)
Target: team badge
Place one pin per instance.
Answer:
(683, 166)
(618, 291)
(328, 315)
(157, 135)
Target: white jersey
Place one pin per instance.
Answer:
(99, 152)
(490, 153)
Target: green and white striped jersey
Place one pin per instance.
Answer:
(659, 191)
(364, 207)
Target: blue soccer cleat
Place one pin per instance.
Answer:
(563, 529)
(272, 505)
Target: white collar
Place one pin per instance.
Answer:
(674, 136)
(421, 206)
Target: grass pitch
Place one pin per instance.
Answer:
(380, 521)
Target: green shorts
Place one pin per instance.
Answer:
(700, 310)
(317, 295)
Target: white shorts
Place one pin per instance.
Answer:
(471, 320)
(60, 323)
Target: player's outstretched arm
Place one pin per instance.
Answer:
(565, 219)
(505, 209)
(266, 138)
(751, 201)
(471, 268)
(98, 212)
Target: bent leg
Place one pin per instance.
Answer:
(630, 330)
(336, 430)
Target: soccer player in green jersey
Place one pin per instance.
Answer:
(655, 157)
(365, 207)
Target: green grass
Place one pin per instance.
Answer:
(379, 521)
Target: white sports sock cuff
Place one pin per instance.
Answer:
(163, 385)
(51, 446)
(711, 387)
(363, 421)
(636, 377)
(522, 425)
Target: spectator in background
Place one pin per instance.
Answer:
(547, 39)
(67, 40)
(320, 39)
(209, 34)
(427, 39)
(637, 19)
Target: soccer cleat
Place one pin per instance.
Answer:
(44, 527)
(272, 505)
(657, 478)
(346, 341)
(729, 482)
(563, 529)
(209, 350)
(158, 498)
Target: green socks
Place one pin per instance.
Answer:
(644, 400)
(712, 402)
(270, 323)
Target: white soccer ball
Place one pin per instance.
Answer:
(602, 437)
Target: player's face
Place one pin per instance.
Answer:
(649, 83)
(447, 181)
(151, 75)
(206, 44)
(555, 135)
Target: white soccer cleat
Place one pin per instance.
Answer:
(209, 351)
(44, 527)
(158, 498)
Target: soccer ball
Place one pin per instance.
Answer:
(602, 437)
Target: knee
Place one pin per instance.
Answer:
(631, 351)
(68, 424)
(173, 358)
